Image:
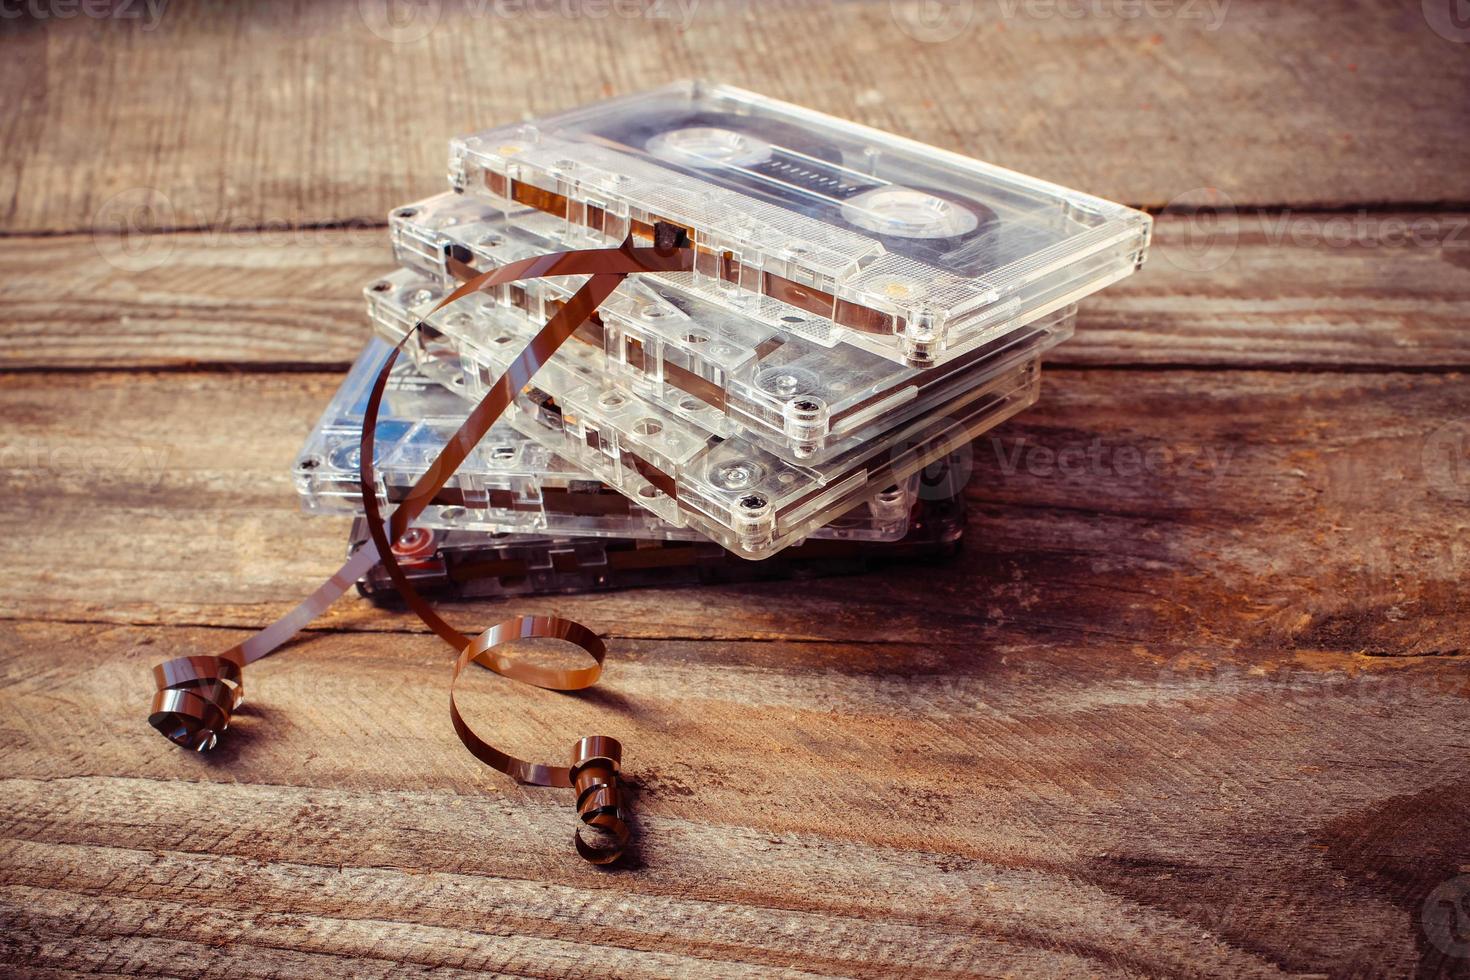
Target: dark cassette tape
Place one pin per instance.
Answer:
(809, 223)
(509, 483)
(751, 501)
(480, 565)
(720, 369)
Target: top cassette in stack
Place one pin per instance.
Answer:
(819, 227)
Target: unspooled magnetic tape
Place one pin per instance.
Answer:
(196, 696)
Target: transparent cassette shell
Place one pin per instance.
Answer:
(720, 369)
(477, 564)
(509, 483)
(812, 224)
(749, 500)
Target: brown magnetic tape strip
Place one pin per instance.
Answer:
(195, 696)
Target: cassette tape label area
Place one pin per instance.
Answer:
(817, 226)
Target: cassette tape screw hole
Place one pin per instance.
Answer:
(382, 286)
(754, 503)
(405, 212)
(648, 427)
(610, 400)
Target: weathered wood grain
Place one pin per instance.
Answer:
(1378, 291)
(283, 114)
(857, 809)
(1295, 513)
(1192, 701)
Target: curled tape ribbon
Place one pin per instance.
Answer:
(196, 695)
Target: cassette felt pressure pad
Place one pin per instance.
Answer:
(817, 226)
(509, 482)
(477, 564)
(723, 370)
(748, 499)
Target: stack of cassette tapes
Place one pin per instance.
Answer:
(859, 309)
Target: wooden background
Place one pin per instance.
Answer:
(1205, 716)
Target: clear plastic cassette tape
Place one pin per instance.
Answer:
(809, 223)
(751, 501)
(723, 370)
(509, 483)
(477, 564)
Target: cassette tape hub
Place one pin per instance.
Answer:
(750, 500)
(811, 224)
(722, 370)
(509, 483)
(477, 564)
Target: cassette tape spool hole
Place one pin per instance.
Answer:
(907, 213)
(709, 146)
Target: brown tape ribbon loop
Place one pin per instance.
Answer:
(197, 695)
(195, 698)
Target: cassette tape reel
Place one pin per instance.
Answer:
(810, 223)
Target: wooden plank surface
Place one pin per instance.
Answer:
(1191, 701)
(1374, 291)
(1301, 511)
(1104, 722)
(244, 115)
